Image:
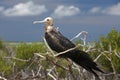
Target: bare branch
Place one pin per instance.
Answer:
(39, 70)
(49, 73)
(64, 52)
(47, 58)
(38, 54)
(116, 54)
(17, 59)
(82, 32)
(33, 74)
(71, 72)
(98, 57)
(2, 78)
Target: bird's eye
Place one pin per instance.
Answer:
(47, 19)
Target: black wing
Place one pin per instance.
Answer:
(57, 41)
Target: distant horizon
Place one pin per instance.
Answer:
(90, 37)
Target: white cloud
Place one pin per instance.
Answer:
(1, 8)
(25, 9)
(113, 10)
(63, 11)
(95, 10)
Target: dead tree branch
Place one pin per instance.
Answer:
(64, 52)
(2, 78)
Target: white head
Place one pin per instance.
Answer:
(48, 21)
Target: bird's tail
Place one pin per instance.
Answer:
(83, 59)
(90, 68)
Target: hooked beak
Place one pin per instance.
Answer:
(37, 22)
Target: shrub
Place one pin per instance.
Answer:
(5, 66)
(26, 51)
(109, 45)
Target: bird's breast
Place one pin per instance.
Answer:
(49, 28)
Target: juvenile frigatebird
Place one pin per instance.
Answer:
(59, 43)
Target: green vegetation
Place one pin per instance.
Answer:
(14, 58)
(1, 43)
(110, 47)
(26, 52)
(5, 67)
(19, 56)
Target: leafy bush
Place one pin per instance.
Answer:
(110, 46)
(13, 62)
(113, 39)
(5, 66)
(26, 52)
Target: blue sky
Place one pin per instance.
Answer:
(97, 17)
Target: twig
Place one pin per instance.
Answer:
(98, 57)
(38, 54)
(112, 73)
(17, 74)
(32, 62)
(31, 78)
(39, 70)
(17, 59)
(90, 47)
(82, 32)
(2, 78)
(52, 76)
(83, 39)
(64, 52)
(13, 69)
(33, 74)
(49, 73)
(71, 72)
(113, 67)
(116, 54)
(106, 56)
(47, 58)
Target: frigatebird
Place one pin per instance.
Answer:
(59, 43)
